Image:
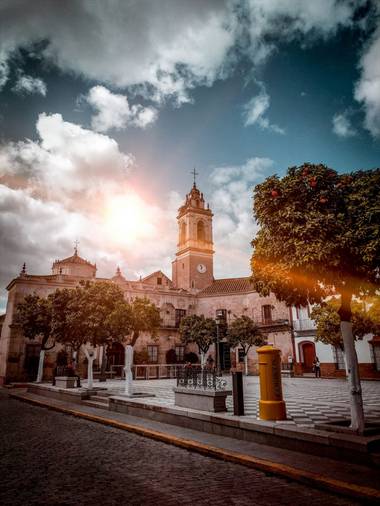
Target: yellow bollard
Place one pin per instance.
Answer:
(271, 404)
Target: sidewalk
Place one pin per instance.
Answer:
(344, 478)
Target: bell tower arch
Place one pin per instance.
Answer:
(193, 267)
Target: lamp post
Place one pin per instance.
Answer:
(218, 320)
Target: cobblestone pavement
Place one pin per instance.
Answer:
(52, 459)
(308, 400)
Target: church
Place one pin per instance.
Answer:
(191, 290)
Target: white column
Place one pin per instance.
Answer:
(128, 370)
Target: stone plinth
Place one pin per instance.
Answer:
(202, 400)
(65, 381)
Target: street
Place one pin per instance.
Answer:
(48, 458)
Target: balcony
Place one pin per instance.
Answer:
(304, 325)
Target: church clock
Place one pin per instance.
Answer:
(201, 268)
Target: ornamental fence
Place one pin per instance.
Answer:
(202, 379)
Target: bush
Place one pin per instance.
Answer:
(141, 357)
(191, 357)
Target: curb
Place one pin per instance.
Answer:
(283, 470)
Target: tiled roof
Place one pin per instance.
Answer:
(229, 285)
(74, 259)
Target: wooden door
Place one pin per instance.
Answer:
(308, 356)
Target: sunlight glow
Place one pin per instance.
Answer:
(127, 219)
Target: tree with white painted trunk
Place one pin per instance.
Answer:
(199, 330)
(319, 236)
(244, 333)
(34, 315)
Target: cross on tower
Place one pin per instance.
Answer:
(194, 173)
(76, 246)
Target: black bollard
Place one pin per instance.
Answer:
(237, 390)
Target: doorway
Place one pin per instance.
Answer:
(116, 358)
(308, 355)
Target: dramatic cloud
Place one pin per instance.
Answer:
(69, 163)
(28, 85)
(231, 203)
(254, 113)
(114, 111)
(166, 48)
(367, 89)
(342, 125)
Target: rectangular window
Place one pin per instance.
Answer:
(153, 354)
(376, 355)
(221, 313)
(241, 355)
(180, 353)
(267, 313)
(179, 314)
(339, 358)
(159, 281)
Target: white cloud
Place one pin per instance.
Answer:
(367, 89)
(162, 46)
(342, 126)
(69, 163)
(254, 113)
(231, 203)
(29, 85)
(165, 48)
(114, 111)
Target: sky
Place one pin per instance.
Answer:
(106, 106)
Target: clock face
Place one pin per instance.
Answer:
(201, 268)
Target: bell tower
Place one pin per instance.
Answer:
(193, 267)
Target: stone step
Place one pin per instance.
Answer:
(95, 404)
(100, 398)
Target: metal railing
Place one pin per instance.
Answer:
(202, 379)
(304, 324)
(148, 371)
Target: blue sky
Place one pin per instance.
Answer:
(106, 106)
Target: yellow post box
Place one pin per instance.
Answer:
(271, 404)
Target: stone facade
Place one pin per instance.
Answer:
(192, 290)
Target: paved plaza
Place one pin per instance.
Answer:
(308, 400)
(51, 459)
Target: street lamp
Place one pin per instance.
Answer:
(218, 320)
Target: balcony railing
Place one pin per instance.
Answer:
(304, 324)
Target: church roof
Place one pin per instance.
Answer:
(74, 259)
(228, 286)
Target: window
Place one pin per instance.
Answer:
(159, 281)
(241, 355)
(200, 231)
(267, 313)
(153, 354)
(221, 313)
(339, 358)
(180, 353)
(375, 348)
(179, 314)
(182, 238)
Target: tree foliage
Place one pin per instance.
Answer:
(199, 330)
(328, 321)
(34, 314)
(319, 234)
(244, 332)
(145, 317)
(94, 313)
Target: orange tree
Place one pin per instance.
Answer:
(319, 236)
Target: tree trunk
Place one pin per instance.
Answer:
(40, 372)
(104, 363)
(135, 336)
(90, 361)
(203, 359)
(356, 400)
(246, 364)
(128, 370)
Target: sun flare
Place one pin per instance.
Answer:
(127, 218)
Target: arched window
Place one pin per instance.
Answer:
(200, 231)
(182, 238)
